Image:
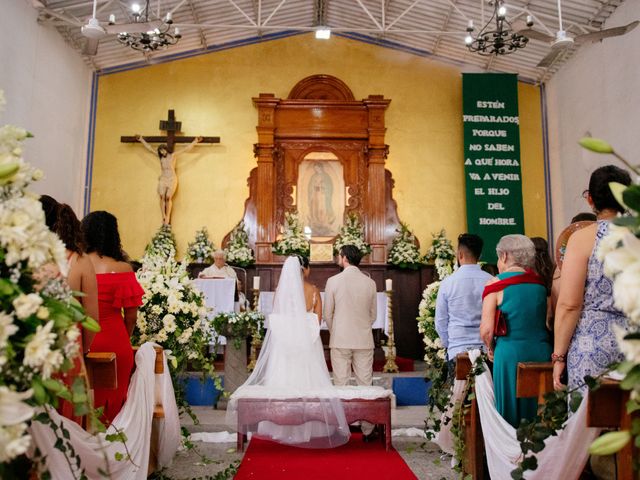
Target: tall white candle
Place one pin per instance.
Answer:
(389, 284)
(256, 283)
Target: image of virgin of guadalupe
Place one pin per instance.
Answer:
(320, 197)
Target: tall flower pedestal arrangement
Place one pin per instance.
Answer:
(236, 328)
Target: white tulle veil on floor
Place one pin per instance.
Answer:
(291, 366)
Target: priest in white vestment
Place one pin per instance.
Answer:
(219, 269)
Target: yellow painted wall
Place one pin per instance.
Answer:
(211, 95)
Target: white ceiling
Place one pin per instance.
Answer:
(430, 27)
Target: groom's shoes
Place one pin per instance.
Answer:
(373, 436)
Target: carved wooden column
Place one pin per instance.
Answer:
(264, 150)
(377, 153)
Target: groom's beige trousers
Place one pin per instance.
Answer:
(361, 359)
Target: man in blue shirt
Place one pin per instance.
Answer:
(459, 302)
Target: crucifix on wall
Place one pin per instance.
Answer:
(167, 154)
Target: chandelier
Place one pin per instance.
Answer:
(157, 38)
(501, 40)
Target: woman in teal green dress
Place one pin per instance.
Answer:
(519, 294)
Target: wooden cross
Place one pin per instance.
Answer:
(171, 126)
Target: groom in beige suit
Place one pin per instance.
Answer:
(350, 311)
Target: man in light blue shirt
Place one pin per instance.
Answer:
(459, 302)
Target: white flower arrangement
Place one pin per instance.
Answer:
(292, 240)
(404, 252)
(620, 253)
(238, 251)
(441, 254)
(39, 316)
(201, 249)
(351, 233)
(162, 244)
(238, 326)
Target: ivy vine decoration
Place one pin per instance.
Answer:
(552, 415)
(461, 409)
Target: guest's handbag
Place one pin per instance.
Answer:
(500, 324)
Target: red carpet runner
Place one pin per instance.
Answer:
(266, 460)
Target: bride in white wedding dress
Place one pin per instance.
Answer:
(291, 366)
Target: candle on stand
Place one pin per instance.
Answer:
(389, 284)
(256, 283)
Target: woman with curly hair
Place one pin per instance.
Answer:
(119, 296)
(81, 277)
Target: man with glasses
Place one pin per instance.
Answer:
(459, 302)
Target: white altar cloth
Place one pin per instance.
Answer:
(218, 296)
(382, 319)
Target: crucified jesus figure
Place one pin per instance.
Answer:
(168, 180)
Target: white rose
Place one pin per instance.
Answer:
(27, 305)
(625, 292)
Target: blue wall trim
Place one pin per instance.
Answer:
(88, 180)
(547, 166)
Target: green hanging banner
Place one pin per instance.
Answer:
(492, 157)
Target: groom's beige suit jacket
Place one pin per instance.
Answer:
(350, 309)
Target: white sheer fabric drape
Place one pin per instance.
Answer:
(291, 366)
(135, 420)
(563, 457)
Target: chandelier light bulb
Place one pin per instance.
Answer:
(468, 40)
(502, 11)
(470, 26)
(177, 32)
(135, 7)
(169, 17)
(529, 21)
(112, 19)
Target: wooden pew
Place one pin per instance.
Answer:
(473, 462)
(534, 379)
(607, 409)
(101, 369)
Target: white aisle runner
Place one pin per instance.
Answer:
(563, 457)
(135, 420)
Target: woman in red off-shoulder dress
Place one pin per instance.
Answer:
(119, 296)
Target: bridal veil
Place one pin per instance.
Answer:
(291, 367)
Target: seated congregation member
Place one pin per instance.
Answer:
(219, 269)
(585, 341)
(81, 277)
(459, 302)
(119, 296)
(519, 297)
